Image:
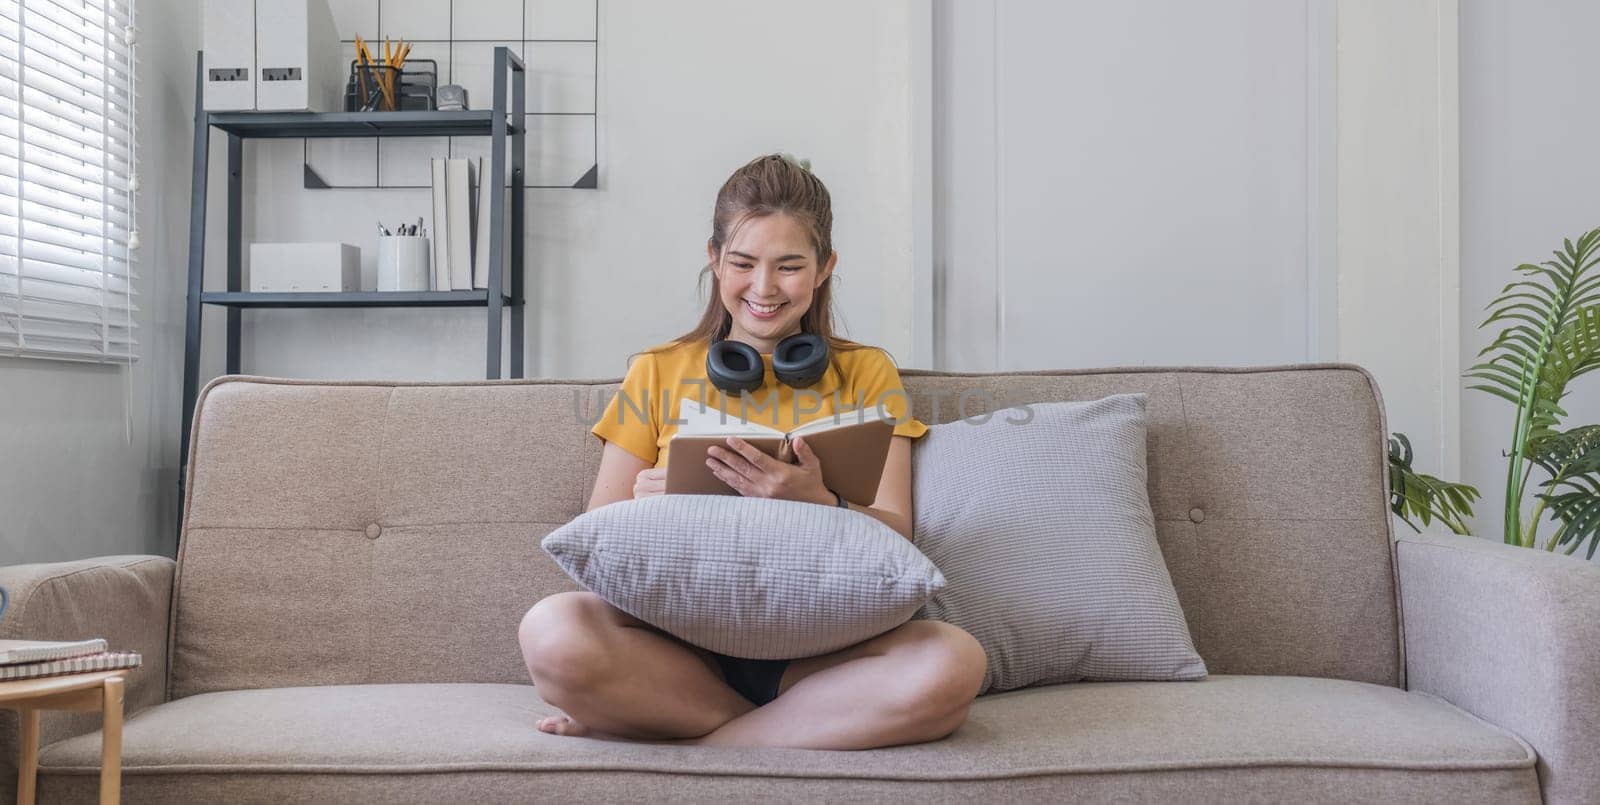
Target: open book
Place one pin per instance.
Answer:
(852, 447)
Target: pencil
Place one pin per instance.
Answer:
(361, 71)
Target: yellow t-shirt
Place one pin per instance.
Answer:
(634, 417)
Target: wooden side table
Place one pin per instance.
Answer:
(99, 690)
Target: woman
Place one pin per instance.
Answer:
(771, 262)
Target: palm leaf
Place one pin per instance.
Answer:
(1573, 460)
(1424, 497)
(1572, 452)
(1579, 513)
(1551, 335)
(1575, 350)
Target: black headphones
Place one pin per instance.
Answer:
(798, 361)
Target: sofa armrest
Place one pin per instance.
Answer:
(125, 599)
(1511, 635)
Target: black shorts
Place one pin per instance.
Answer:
(756, 680)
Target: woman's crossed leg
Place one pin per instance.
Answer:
(616, 674)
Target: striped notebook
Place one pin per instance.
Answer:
(104, 661)
(20, 651)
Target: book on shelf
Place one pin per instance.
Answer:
(99, 661)
(458, 218)
(483, 230)
(454, 222)
(852, 447)
(441, 230)
(480, 234)
(13, 652)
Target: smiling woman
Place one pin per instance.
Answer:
(772, 291)
(770, 257)
(771, 263)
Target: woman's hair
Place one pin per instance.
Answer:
(767, 185)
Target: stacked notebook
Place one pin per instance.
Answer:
(28, 659)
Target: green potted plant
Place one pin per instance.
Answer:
(1551, 337)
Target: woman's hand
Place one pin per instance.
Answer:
(755, 474)
(649, 482)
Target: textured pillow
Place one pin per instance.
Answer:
(1045, 532)
(748, 577)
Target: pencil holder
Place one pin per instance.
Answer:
(403, 263)
(374, 87)
(411, 89)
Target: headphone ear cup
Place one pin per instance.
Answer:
(734, 366)
(800, 360)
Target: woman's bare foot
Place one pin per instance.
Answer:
(562, 725)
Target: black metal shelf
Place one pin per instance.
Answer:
(285, 125)
(242, 299)
(504, 167)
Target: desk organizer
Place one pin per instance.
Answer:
(418, 87)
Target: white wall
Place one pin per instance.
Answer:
(610, 271)
(688, 92)
(1130, 183)
(88, 453)
(1528, 180)
(675, 119)
(1254, 183)
(1398, 223)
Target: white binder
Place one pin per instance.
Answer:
(298, 65)
(271, 55)
(229, 64)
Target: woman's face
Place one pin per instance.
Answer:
(768, 274)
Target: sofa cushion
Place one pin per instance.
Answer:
(1041, 522)
(748, 577)
(1223, 739)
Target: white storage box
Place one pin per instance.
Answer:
(305, 267)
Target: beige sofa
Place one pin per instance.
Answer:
(340, 624)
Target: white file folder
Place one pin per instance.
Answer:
(229, 64)
(298, 61)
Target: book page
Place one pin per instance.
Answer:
(843, 419)
(704, 420)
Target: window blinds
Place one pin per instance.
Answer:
(66, 173)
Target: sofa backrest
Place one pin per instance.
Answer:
(365, 532)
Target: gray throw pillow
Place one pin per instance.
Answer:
(748, 577)
(1045, 532)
